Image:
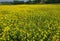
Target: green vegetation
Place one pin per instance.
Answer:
(29, 2)
(30, 23)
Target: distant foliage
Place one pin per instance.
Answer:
(6, 3)
(32, 2)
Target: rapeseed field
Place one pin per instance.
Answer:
(30, 23)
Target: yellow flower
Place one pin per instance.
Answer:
(6, 28)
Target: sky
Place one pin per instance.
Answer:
(25, 0)
(10, 0)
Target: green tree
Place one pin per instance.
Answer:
(18, 1)
(29, 1)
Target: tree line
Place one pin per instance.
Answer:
(39, 1)
(32, 2)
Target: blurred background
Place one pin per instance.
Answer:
(29, 1)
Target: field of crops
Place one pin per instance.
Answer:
(30, 23)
